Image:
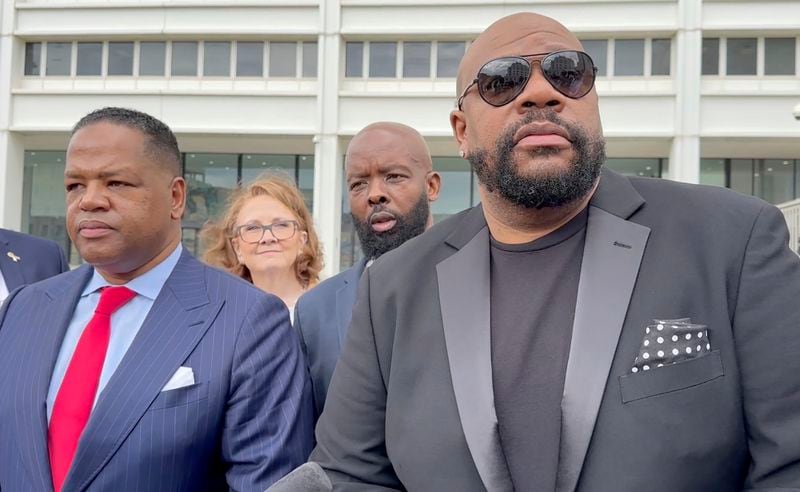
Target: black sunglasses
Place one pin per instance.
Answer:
(501, 80)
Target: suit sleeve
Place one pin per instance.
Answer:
(766, 328)
(269, 420)
(351, 445)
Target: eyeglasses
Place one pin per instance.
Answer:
(501, 80)
(253, 233)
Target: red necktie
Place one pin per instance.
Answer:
(76, 395)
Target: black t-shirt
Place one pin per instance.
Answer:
(534, 287)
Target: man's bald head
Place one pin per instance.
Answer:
(403, 138)
(390, 184)
(503, 38)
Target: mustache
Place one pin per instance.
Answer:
(377, 209)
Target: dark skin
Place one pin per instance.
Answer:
(123, 208)
(479, 125)
(389, 165)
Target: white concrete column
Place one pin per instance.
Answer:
(684, 159)
(327, 151)
(11, 152)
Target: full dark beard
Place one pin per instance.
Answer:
(543, 189)
(374, 244)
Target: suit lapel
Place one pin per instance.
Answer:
(12, 270)
(464, 300)
(611, 259)
(57, 306)
(346, 297)
(179, 318)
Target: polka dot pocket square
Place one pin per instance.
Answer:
(668, 341)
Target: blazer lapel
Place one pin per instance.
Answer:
(180, 316)
(57, 306)
(12, 270)
(464, 300)
(611, 259)
(346, 297)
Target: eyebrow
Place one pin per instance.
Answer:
(101, 174)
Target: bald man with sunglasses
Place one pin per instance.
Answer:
(579, 330)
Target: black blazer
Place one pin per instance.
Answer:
(27, 259)
(411, 403)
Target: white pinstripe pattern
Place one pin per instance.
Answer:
(246, 423)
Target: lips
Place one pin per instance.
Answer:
(91, 229)
(382, 221)
(537, 135)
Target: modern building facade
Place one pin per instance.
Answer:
(690, 90)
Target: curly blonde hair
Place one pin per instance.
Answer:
(217, 235)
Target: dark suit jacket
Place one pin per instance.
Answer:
(245, 422)
(36, 259)
(411, 402)
(322, 316)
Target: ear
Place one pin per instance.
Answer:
(304, 237)
(178, 189)
(433, 183)
(458, 123)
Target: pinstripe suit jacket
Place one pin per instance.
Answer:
(246, 421)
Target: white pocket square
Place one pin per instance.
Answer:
(183, 377)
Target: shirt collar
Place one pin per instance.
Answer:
(148, 284)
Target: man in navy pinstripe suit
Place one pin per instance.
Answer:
(193, 380)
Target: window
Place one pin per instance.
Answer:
(90, 59)
(152, 57)
(712, 172)
(448, 56)
(598, 50)
(33, 58)
(59, 58)
(44, 196)
(282, 59)
(774, 180)
(120, 59)
(309, 59)
(710, 64)
(661, 57)
(354, 59)
(249, 59)
(456, 195)
(416, 59)
(217, 58)
(382, 59)
(741, 56)
(633, 166)
(629, 57)
(779, 56)
(184, 58)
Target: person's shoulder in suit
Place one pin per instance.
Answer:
(48, 255)
(324, 292)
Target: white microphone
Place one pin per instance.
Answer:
(308, 477)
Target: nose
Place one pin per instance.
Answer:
(94, 198)
(268, 237)
(539, 93)
(377, 193)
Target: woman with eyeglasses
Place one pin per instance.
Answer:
(266, 237)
